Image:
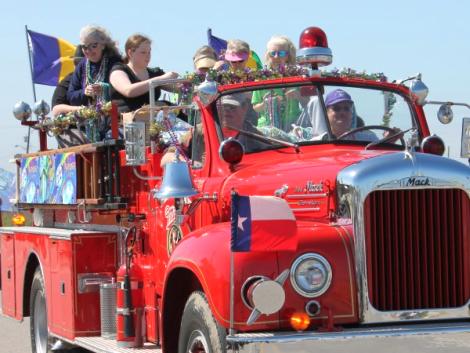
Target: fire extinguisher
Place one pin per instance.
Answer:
(129, 301)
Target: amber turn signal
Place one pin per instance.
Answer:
(18, 219)
(299, 321)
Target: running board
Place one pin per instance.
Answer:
(104, 345)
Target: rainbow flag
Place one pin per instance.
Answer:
(220, 45)
(52, 58)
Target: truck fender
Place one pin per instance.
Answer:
(191, 268)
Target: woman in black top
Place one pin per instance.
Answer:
(130, 81)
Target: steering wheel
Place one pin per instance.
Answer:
(392, 131)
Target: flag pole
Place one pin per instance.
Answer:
(231, 330)
(32, 80)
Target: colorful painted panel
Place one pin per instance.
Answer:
(50, 179)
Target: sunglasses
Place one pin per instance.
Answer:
(339, 108)
(237, 62)
(279, 53)
(90, 46)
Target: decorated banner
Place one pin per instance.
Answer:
(50, 179)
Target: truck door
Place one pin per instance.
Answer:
(7, 244)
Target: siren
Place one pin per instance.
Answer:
(313, 48)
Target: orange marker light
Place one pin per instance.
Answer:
(18, 219)
(299, 321)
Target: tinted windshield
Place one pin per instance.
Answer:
(301, 114)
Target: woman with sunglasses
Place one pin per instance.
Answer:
(237, 54)
(278, 107)
(90, 80)
(130, 80)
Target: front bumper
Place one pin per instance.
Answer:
(418, 338)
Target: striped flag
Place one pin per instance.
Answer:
(262, 223)
(52, 58)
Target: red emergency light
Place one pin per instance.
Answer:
(434, 145)
(313, 48)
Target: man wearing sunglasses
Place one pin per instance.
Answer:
(341, 116)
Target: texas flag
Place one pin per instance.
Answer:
(262, 223)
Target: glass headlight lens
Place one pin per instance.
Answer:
(311, 275)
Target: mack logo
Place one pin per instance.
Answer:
(310, 187)
(418, 181)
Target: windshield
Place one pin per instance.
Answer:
(264, 118)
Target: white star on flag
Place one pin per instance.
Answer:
(240, 222)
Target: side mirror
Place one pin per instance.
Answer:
(445, 114)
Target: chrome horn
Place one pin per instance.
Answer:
(177, 182)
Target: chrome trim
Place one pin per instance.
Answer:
(386, 339)
(320, 259)
(307, 310)
(312, 209)
(90, 282)
(90, 227)
(306, 196)
(391, 172)
(54, 233)
(250, 280)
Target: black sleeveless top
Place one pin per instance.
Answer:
(127, 104)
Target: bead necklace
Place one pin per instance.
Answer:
(100, 76)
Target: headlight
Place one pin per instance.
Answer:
(310, 275)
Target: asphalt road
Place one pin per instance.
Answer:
(14, 336)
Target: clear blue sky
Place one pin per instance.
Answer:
(399, 38)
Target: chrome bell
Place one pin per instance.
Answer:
(176, 182)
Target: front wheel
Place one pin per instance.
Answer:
(199, 332)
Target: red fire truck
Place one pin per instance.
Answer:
(129, 252)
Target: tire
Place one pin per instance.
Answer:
(40, 339)
(199, 332)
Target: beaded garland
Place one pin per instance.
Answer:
(65, 121)
(248, 75)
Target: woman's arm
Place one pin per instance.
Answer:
(63, 109)
(75, 93)
(121, 83)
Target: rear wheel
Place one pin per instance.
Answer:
(40, 340)
(199, 332)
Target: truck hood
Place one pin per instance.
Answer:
(306, 180)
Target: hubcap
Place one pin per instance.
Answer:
(198, 343)
(40, 324)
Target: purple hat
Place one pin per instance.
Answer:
(336, 96)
